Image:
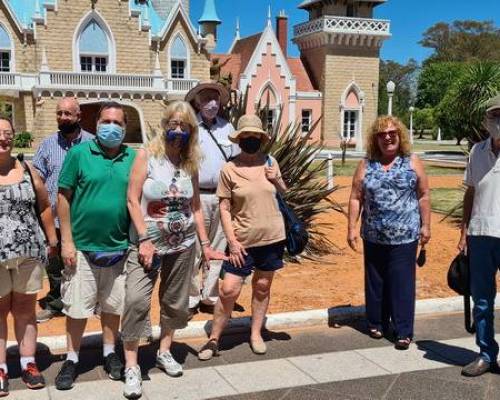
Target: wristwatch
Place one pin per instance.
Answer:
(144, 237)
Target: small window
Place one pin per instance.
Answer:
(93, 64)
(351, 12)
(306, 121)
(86, 64)
(94, 48)
(100, 64)
(4, 61)
(178, 59)
(178, 69)
(350, 122)
(270, 120)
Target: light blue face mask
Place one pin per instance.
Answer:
(110, 135)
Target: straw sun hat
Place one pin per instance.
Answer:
(209, 85)
(249, 123)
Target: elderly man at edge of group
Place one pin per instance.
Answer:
(480, 237)
(208, 99)
(48, 161)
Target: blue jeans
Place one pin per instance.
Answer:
(484, 258)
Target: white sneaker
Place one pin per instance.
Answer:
(133, 383)
(167, 363)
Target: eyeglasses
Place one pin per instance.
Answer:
(392, 134)
(173, 124)
(7, 134)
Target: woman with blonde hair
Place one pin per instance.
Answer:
(164, 205)
(391, 193)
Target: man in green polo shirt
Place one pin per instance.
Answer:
(94, 219)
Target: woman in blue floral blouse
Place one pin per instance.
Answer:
(391, 193)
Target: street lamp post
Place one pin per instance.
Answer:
(412, 110)
(391, 87)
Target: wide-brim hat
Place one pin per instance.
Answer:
(209, 85)
(493, 104)
(249, 123)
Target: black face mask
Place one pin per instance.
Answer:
(250, 145)
(68, 127)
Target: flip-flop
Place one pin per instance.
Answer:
(376, 334)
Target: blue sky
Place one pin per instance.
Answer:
(409, 19)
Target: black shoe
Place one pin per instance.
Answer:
(402, 343)
(206, 308)
(477, 367)
(4, 383)
(113, 366)
(32, 377)
(66, 376)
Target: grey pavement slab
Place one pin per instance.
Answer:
(106, 390)
(337, 366)
(42, 394)
(367, 388)
(196, 384)
(264, 375)
(396, 361)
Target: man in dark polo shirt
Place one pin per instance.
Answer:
(94, 219)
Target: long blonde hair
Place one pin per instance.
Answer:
(380, 124)
(190, 154)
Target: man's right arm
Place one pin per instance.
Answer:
(40, 162)
(468, 202)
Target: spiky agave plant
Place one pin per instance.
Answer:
(308, 192)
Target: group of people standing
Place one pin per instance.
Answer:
(107, 221)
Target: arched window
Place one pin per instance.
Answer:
(5, 50)
(178, 59)
(94, 48)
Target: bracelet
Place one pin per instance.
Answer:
(205, 243)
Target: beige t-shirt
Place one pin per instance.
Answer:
(257, 220)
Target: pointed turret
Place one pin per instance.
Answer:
(208, 23)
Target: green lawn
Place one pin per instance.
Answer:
(348, 169)
(437, 147)
(443, 200)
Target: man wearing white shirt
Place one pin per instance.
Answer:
(481, 237)
(208, 99)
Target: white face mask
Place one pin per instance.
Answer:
(492, 125)
(210, 110)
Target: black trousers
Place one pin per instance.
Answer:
(54, 272)
(390, 286)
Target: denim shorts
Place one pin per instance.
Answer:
(264, 258)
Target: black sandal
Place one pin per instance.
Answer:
(376, 334)
(402, 344)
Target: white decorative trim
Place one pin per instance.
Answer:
(336, 24)
(12, 48)
(179, 9)
(268, 37)
(94, 15)
(187, 69)
(309, 95)
(13, 15)
(269, 84)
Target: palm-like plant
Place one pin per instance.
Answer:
(308, 192)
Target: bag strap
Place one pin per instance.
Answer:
(20, 158)
(216, 142)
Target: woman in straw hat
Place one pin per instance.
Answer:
(254, 229)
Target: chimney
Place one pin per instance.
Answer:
(282, 31)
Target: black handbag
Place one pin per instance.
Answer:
(459, 281)
(296, 233)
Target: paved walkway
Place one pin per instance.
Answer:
(316, 363)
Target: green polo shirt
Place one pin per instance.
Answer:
(99, 216)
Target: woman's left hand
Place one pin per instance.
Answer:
(425, 234)
(210, 254)
(272, 173)
(53, 251)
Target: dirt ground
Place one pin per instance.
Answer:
(336, 279)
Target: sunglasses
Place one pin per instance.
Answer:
(392, 134)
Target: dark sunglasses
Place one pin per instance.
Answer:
(392, 134)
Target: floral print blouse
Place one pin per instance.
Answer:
(391, 213)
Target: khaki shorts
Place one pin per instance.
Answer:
(87, 285)
(21, 275)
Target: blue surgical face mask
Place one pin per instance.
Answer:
(171, 135)
(110, 135)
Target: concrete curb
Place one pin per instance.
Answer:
(322, 317)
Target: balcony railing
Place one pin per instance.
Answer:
(7, 79)
(344, 25)
(180, 85)
(99, 80)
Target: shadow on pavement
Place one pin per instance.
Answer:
(442, 352)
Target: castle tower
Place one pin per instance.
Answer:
(208, 23)
(163, 7)
(340, 47)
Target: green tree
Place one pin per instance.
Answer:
(465, 40)
(405, 78)
(434, 81)
(460, 113)
(423, 120)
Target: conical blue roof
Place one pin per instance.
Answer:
(209, 13)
